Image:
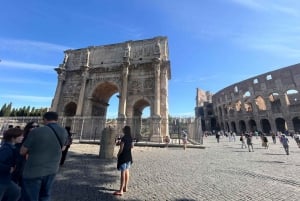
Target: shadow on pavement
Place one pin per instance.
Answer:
(85, 177)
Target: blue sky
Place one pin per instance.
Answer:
(212, 43)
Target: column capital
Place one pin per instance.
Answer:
(156, 60)
(61, 73)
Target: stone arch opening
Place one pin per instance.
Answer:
(246, 94)
(227, 126)
(238, 106)
(260, 103)
(265, 125)
(225, 109)
(70, 109)
(252, 125)
(222, 126)
(213, 124)
(100, 98)
(296, 124)
(281, 125)
(242, 126)
(220, 111)
(292, 97)
(248, 106)
(138, 131)
(275, 102)
(233, 126)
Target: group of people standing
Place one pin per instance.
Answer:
(30, 159)
(246, 140)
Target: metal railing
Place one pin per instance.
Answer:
(90, 128)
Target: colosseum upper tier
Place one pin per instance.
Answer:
(269, 102)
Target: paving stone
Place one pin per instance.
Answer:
(221, 171)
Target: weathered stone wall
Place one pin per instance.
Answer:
(269, 102)
(138, 71)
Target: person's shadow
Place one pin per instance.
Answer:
(85, 177)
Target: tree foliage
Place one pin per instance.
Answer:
(7, 110)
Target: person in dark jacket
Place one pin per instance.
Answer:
(124, 159)
(68, 145)
(8, 189)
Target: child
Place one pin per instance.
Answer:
(8, 155)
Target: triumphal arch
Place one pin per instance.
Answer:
(137, 71)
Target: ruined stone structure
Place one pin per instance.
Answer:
(136, 71)
(267, 102)
(204, 110)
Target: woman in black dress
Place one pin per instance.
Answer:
(124, 159)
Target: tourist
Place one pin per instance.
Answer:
(20, 159)
(68, 145)
(9, 189)
(233, 136)
(285, 143)
(43, 148)
(249, 142)
(297, 139)
(273, 137)
(265, 141)
(242, 139)
(218, 136)
(184, 139)
(20, 162)
(167, 140)
(124, 160)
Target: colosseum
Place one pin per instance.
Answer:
(269, 102)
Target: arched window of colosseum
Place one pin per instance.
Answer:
(292, 97)
(242, 126)
(236, 89)
(238, 106)
(275, 102)
(233, 126)
(252, 125)
(225, 108)
(247, 94)
(220, 111)
(248, 106)
(269, 77)
(273, 97)
(260, 103)
(231, 108)
(255, 81)
(296, 124)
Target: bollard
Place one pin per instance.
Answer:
(107, 143)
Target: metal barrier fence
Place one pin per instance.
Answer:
(90, 128)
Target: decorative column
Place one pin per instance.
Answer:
(61, 71)
(156, 62)
(84, 75)
(164, 77)
(156, 118)
(123, 95)
(85, 72)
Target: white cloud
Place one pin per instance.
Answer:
(23, 65)
(26, 81)
(18, 44)
(35, 99)
(272, 6)
(250, 4)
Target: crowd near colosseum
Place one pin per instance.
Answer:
(266, 103)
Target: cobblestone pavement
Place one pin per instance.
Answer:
(220, 172)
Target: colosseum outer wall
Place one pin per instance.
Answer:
(269, 102)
